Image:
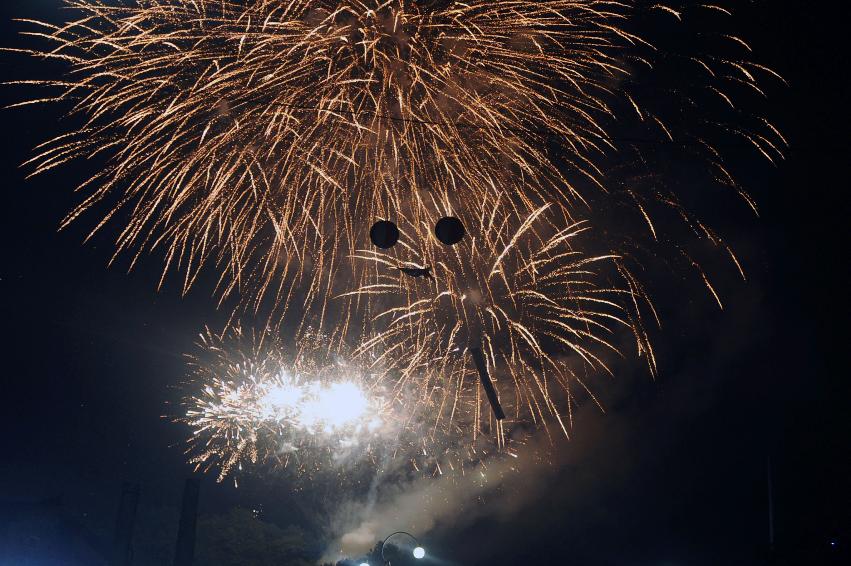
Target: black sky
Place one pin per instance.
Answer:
(674, 474)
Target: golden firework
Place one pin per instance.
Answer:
(264, 138)
(250, 134)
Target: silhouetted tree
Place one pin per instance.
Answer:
(238, 538)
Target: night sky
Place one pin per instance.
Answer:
(675, 473)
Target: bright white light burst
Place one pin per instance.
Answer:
(261, 403)
(317, 407)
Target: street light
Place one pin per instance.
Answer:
(417, 551)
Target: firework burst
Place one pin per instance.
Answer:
(250, 134)
(260, 402)
(265, 137)
(527, 291)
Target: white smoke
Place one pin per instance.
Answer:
(426, 506)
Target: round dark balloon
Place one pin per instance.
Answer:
(384, 234)
(449, 230)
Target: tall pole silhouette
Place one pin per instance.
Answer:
(184, 551)
(121, 553)
(770, 510)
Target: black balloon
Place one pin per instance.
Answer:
(449, 230)
(384, 234)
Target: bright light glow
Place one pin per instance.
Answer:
(280, 401)
(314, 406)
(337, 405)
(260, 401)
(419, 552)
(364, 564)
